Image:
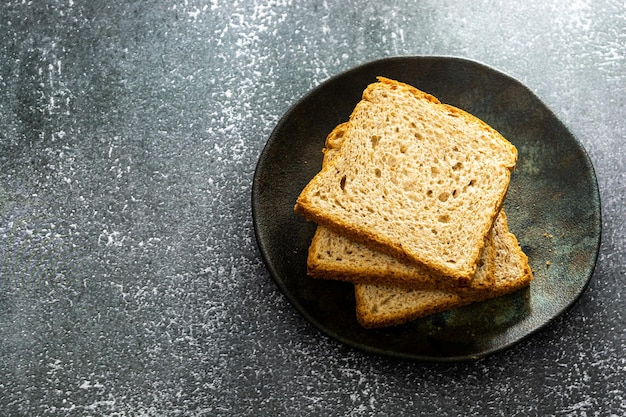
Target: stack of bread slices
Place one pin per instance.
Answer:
(409, 208)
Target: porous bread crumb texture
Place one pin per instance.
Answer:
(379, 306)
(413, 177)
(386, 306)
(333, 256)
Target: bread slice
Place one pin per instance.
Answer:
(379, 306)
(333, 256)
(414, 178)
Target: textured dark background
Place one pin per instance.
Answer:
(130, 280)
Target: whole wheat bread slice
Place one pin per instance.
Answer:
(414, 178)
(379, 306)
(333, 256)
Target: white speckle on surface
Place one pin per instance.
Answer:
(113, 238)
(89, 385)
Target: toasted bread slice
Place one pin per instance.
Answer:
(414, 178)
(333, 256)
(379, 306)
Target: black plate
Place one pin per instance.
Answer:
(553, 207)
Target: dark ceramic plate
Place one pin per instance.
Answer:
(553, 207)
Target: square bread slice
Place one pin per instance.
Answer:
(333, 256)
(380, 306)
(414, 178)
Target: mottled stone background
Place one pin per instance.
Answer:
(130, 280)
